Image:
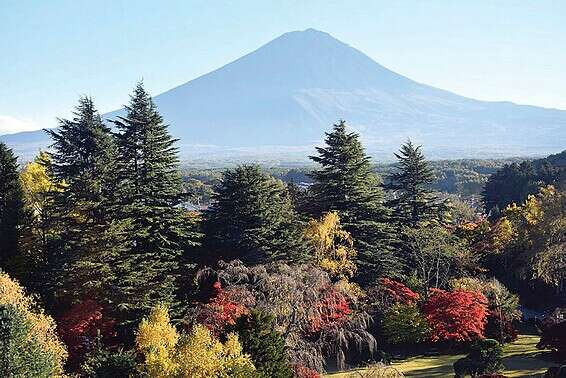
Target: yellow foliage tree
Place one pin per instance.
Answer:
(37, 183)
(502, 234)
(42, 326)
(157, 340)
(196, 355)
(332, 245)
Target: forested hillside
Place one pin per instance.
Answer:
(118, 262)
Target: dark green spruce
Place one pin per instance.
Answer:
(149, 198)
(345, 183)
(257, 334)
(252, 219)
(90, 240)
(12, 214)
(413, 202)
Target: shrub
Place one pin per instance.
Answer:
(556, 372)
(103, 363)
(42, 327)
(332, 310)
(264, 344)
(196, 355)
(404, 324)
(302, 371)
(21, 352)
(201, 355)
(456, 315)
(500, 328)
(484, 358)
(82, 326)
(554, 337)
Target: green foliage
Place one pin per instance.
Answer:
(21, 353)
(148, 195)
(264, 344)
(103, 363)
(345, 183)
(500, 299)
(514, 182)
(89, 236)
(414, 202)
(38, 184)
(12, 215)
(252, 219)
(485, 357)
(435, 255)
(404, 324)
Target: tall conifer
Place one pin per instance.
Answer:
(252, 219)
(413, 202)
(346, 183)
(90, 240)
(12, 214)
(149, 196)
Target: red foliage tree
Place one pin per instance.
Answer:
(389, 292)
(331, 311)
(302, 371)
(223, 309)
(81, 325)
(457, 315)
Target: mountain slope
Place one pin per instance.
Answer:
(292, 89)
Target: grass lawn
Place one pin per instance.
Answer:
(521, 359)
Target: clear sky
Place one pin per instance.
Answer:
(53, 51)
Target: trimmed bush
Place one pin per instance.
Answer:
(484, 358)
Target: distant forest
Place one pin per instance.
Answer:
(464, 178)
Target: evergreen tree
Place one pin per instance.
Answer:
(414, 202)
(90, 240)
(21, 352)
(346, 183)
(149, 196)
(12, 214)
(264, 344)
(252, 219)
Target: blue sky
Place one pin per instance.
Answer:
(54, 51)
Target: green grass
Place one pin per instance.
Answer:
(521, 359)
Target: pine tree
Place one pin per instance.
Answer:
(346, 183)
(149, 196)
(252, 219)
(414, 202)
(90, 240)
(12, 214)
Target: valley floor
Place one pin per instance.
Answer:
(521, 359)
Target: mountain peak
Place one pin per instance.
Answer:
(308, 33)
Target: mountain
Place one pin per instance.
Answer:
(279, 99)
